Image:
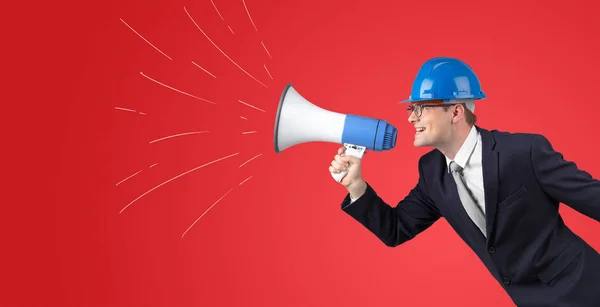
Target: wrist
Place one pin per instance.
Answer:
(357, 189)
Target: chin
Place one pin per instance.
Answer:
(421, 143)
(418, 144)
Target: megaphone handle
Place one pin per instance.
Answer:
(353, 150)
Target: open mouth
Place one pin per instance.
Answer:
(419, 130)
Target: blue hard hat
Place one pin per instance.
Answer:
(443, 78)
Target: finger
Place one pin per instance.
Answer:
(351, 159)
(336, 165)
(339, 166)
(342, 161)
(341, 150)
(333, 170)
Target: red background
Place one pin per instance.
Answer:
(279, 239)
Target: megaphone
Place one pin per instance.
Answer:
(299, 121)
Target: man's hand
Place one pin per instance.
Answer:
(353, 180)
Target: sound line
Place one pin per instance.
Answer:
(176, 135)
(145, 39)
(187, 172)
(177, 89)
(128, 178)
(222, 19)
(251, 106)
(266, 49)
(245, 180)
(117, 108)
(232, 61)
(218, 200)
(248, 132)
(249, 15)
(251, 159)
(211, 1)
(206, 71)
(268, 72)
(243, 118)
(153, 165)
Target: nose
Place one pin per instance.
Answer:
(412, 118)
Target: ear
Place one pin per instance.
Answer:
(458, 112)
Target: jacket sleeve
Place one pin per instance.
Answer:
(564, 181)
(394, 225)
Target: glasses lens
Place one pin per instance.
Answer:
(415, 108)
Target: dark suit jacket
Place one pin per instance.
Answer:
(536, 258)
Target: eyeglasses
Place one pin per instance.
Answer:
(418, 108)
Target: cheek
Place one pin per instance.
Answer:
(434, 132)
(436, 129)
(432, 126)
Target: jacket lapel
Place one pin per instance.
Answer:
(489, 160)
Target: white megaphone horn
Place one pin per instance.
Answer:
(299, 121)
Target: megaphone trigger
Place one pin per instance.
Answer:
(352, 150)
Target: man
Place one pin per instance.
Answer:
(499, 191)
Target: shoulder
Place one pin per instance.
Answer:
(514, 136)
(432, 160)
(521, 140)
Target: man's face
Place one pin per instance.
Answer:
(432, 127)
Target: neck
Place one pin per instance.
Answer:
(458, 136)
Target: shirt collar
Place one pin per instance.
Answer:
(464, 153)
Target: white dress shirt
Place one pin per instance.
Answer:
(469, 158)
